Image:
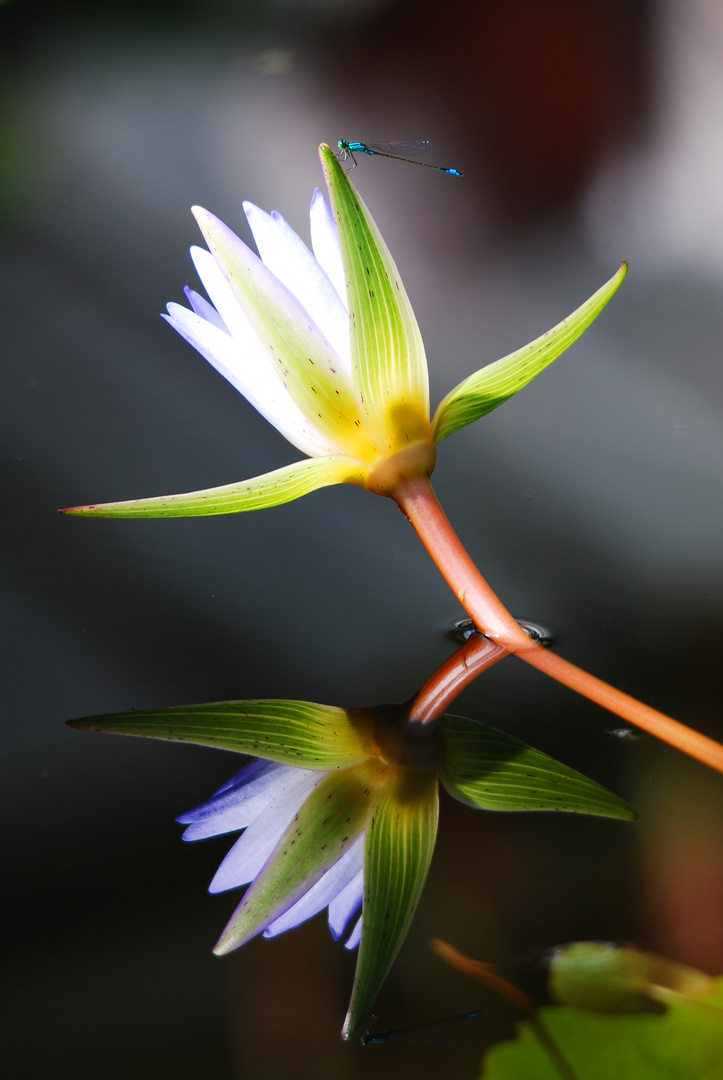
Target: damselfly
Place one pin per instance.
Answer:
(398, 151)
(422, 1033)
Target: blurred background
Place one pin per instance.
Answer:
(588, 131)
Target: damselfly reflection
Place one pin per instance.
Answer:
(420, 1033)
(397, 151)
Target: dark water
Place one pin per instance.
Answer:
(592, 504)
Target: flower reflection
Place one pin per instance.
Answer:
(341, 812)
(263, 799)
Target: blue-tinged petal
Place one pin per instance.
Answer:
(247, 772)
(271, 489)
(330, 885)
(290, 260)
(238, 803)
(354, 938)
(238, 362)
(324, 828)
(325, 242)
(345, 906)
(202, 307)
(251, 851)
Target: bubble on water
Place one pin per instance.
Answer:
(461, 630)
(626, 734)
(541, 634)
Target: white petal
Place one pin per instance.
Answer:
(334, 881)
(307, 364)
(345, 906)
(239, 802)
(253, 356)
(202, 307)
(251, 851)
(290, 260)
(325, 242)
(355, 936)
(226, 304)
(239, 362)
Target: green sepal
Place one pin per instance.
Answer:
(492, 385)
(292, 732)
(324, 828)
(271, 489)
(399, 842)
(491, 770)
(388, 360)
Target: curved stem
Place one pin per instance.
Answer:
(439, 691)
(417, 500)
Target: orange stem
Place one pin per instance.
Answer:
(629, 708)
(439, 691)
(417, 500)
(485, 973)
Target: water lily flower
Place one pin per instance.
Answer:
(340, 811)
(327, 348)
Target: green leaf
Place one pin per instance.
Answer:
(684, 1044)
(494, 384)
(324, 828)
(388, 359)
(490, 770)
(292, 732)
(270, 489)
(306, 363)
(400, 837)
